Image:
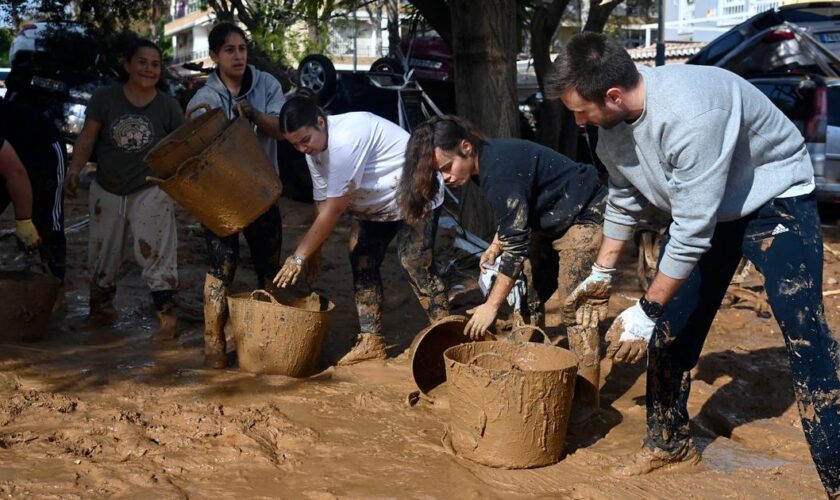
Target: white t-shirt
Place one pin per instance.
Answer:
(364, 158)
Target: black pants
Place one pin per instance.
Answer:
(45, 168)
(415, 247)
(264, 237)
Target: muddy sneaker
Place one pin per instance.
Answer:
(648, 460)
(368, 346)
(102, 311)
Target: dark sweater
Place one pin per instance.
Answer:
(532, 188)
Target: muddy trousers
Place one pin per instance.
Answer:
(415, 248)
(558, 265)
(782, 239)
(150, 214)
(264, 237)
(46, 171)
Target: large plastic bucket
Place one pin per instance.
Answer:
(188, 140)
(28, 299)
(229, 184)
(428, 346)
(279, 335)
(509, 402)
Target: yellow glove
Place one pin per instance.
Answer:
(27, 236)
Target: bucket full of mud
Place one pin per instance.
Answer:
(229, 184)
(28, 299)
(279, 333)
(509, 402)
(427, 348)
(188, 140)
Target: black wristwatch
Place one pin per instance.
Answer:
(653, 310)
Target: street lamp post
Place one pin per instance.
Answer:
(660, 35)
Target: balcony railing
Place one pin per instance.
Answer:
(187, 7)
(190, 56)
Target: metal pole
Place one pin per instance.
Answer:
(356, 37)
(660, 35)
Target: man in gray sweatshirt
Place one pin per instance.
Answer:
(705, 146)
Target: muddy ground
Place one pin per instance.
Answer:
(94, 412)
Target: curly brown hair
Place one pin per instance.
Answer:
(419, 185)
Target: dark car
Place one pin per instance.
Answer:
(811, 17)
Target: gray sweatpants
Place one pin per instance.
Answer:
(151, 215)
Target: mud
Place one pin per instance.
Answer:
(99, 411)
(27, 300)
(509, 402)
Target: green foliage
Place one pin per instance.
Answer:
(6, 36)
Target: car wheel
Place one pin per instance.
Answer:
(387, 65)
(316, 72)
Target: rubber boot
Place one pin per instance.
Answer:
(102, 311)
(167, 328)
(215, 317)
(368, 346)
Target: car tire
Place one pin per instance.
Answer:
(317, 73)
(387, 65)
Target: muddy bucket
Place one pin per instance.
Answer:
(509, 402)
(280, 335)
(228, 185)
(427, 348)
(28, 299)
(188, 140)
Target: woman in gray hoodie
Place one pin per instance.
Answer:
(239, 88)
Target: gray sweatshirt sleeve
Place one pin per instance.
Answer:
(700, 150)
(624, 206)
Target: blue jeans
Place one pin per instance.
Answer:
(783, 240)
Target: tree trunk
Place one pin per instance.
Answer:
(484, 47)
(599, 14)
(393, 9)
(543, 26)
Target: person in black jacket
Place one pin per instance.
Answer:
(531, 188)
(40, 149)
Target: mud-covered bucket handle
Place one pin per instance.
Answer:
(263, 293)
(493, 355)
(206, 107)
(532, 328)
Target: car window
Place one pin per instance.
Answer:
(718, 48)
(834, 106)
(795, 102)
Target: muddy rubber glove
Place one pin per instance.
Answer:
(628, 337)
(289, 273)
(587, 304)
(27, 236)
(481, 320)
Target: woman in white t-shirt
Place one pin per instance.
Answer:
(356, 162)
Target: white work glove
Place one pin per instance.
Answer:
(629, 335)
(488, 275)
(587, 304)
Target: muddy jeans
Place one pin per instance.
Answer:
(151, 215)
(783, 241)
(264, 237)
(415, 247)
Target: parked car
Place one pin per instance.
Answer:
(804, 99)
(820, 19)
